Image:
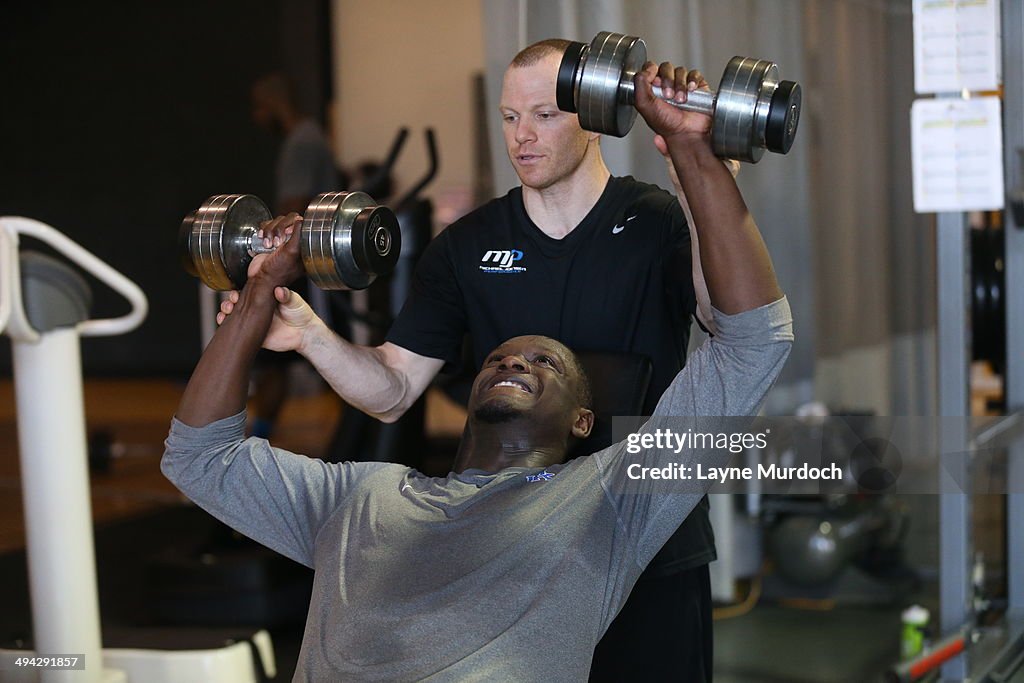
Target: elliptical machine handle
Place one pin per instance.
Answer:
(432, 158)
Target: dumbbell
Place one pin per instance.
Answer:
(347, 240)
(752, 110)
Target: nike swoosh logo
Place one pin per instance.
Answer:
(619, 228)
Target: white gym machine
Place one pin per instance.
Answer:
(44, 310)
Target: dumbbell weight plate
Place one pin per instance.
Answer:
(611, 63)
(214, 240)
(185, 244)
(568, 71)
(347, 240)
(783, 117)
(747, 85)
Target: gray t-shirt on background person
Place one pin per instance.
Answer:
(305, 164)
(508, 576)
(305, 168)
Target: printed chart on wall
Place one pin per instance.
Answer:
(956, 46)
(957, 150)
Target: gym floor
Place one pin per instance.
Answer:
(138, 514)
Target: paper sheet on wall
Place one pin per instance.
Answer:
(956, 45)
(957, 152)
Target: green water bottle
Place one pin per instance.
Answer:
(915, 623)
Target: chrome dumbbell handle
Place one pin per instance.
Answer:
(254, 245)
(700, 101)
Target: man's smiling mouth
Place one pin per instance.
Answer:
(515, 383)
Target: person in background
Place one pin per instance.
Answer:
(305, 168)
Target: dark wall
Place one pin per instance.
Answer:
(117, 122)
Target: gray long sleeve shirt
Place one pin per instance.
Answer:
(506, 576)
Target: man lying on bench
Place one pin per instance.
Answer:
(512, 566)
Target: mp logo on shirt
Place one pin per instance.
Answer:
(502, 261)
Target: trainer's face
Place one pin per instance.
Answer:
(544, 144)
(532, 376)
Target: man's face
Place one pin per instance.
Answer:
(262, 110)
(533, 376)
(544, 144)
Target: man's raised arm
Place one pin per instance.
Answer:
(278, 498)
(733, 257)
(219, 385)
(730, 374)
